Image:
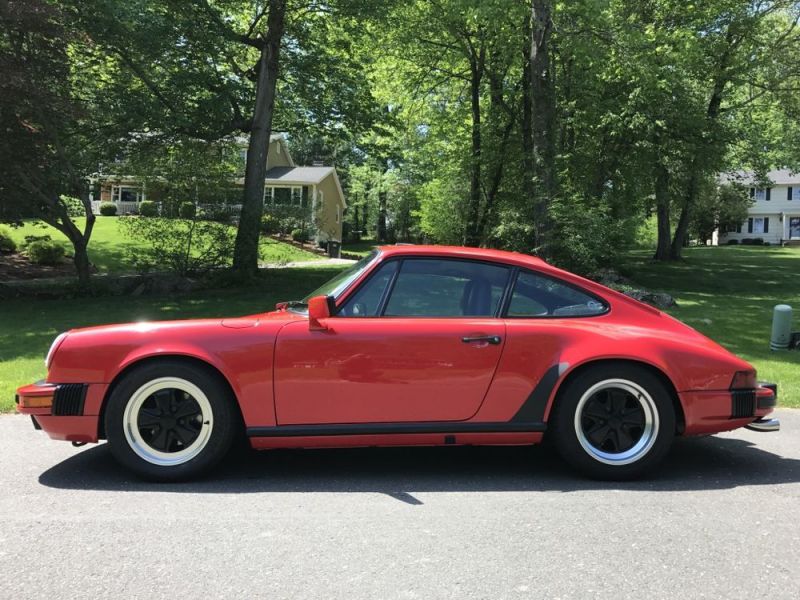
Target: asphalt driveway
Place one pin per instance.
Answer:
(719, 520)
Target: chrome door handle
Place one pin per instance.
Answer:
(490, 339)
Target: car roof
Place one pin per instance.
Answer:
(503, 256)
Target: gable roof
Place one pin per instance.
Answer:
(301, 175)
(304, 176)
(777, 177)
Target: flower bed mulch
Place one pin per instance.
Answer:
(16, 266)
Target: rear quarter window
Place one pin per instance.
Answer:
(536, 295)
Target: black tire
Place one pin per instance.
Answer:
(181, 430)
(626, 423)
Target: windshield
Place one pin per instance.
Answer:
(335, 286)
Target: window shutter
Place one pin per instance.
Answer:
(739, 228)
(766, 224)
(750, 225)
(752, 192)
(768, 193)
(789, 193)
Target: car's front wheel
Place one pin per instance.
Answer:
(614, 422)
(170, 420)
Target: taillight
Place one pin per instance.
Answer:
(744, 380)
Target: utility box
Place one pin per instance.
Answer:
(335, 250)
(781, 327)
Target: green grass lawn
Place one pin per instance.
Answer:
(28, 327)
(361, 248)
(110, 250)
(728, 294)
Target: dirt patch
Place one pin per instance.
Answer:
(17, 266)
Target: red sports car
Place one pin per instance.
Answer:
(412, 345)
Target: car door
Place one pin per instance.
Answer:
(418, 341)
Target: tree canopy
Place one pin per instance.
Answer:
(540, 126)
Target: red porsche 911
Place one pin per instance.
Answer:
(412, 345)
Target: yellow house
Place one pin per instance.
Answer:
(316, 188)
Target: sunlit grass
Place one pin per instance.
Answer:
(728, 293)
(111, 251)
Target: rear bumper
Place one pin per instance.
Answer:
(764, 425)
(722, 410)
(68, 412)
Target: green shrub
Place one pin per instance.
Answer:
(108, 209)
(45, 252)
(290, 223)
(585, 236)
(29, 239)
(148, 208)
(183, 246)
(187, 210)
(270, 224)
(300, 235)
(733, 242)
(217, 214)
(7, 244)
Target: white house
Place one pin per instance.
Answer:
(774, 215)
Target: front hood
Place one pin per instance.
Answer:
(145, 327)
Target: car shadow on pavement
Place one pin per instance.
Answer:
(693, 464)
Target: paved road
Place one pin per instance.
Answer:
(720, 520)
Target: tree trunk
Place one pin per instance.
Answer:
(662, 211)
(702, 149)
(245, 254)
(473, 236)
(382, 215)
(526, 127)
(679, 239)
(543, 120)
(60, 219)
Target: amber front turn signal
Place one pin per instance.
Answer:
(35, 401)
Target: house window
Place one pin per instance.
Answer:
(758, 225)
(338, 214)
(288, 196)
(123, 193)
(761, 194)
(793, 192)
(268, 194)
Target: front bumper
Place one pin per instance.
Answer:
(68, 412)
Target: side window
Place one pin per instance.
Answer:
(447, 288)
(539, 296)
(366, 300)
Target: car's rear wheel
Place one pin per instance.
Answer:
(614, 422)
(170, 420)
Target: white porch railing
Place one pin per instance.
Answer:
(132, 208)
(123, 208)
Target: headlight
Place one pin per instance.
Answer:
(53, 347)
